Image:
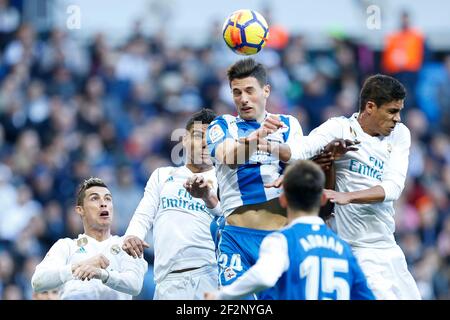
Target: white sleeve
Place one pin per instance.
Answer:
(312, 144)
(144, 215)
(294, 138)
(394, 175)
(272, 262)
(54, 270)
(131, 277)
(216, 211)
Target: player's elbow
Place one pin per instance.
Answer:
(392, 190)
(37, 283)
(135, 285)
(136, 289)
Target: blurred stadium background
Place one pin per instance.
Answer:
(101, 95)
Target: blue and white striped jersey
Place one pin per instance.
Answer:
(244, 184)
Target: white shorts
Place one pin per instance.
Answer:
(189, 285)
(387, 273)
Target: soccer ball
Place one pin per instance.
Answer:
(245, 32)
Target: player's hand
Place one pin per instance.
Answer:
(87, 272)
(198, 187)
(270, 125)
(341, 198)
(324, 159)
(275, 184)
(134, 246)
(339, 147)
(97, 261)
(210, 296)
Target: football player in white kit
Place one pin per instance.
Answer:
(368, 181)
(185, 263)
(93, 266)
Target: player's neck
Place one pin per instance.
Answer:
(364, 122)
(196, 168)
(294, 214)
(99, 235)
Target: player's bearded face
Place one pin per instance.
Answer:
(97, 209)
(196, 146)
(387, 116)
(250, 98)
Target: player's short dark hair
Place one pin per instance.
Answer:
(204, 116)
(380, 89)
(87, 184)
(248, 68)
(303, 185)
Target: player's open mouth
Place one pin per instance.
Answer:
(104, 214)
(246, 109)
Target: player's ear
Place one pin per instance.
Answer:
(79, 210)
(370, 107)
(283, 200)
(323, 199)
(266, 91)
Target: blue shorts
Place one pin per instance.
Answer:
(238, 251)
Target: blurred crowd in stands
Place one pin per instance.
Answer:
(70, 110)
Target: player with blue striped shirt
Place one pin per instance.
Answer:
(305, 260)
(250, 151)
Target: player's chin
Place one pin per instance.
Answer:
(247, 114)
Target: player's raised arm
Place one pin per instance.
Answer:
(143, 217)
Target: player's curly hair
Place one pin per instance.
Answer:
(380, 89)
(248, 68)
(87, 184)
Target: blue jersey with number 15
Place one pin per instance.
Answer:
(321, 267)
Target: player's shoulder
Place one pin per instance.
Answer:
(161, 171)
(287, 118)
(65, 242)
(225, 119)
(401, 130)
(340, 120)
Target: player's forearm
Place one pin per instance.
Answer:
(284, 152)
(211, 201)
(49, 278)
(372, 195)
(139, 225)
(250, 282)
(129, 282)
(239, 153)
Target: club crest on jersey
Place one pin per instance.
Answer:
(229, 273)
(389, 147)
(215, 133)
(115, 249)
(82, 242)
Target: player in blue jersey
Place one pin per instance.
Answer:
(251, 209)
(305, 260)
(250, 152)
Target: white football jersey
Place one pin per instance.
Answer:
(379, 161)
(126, 274)
(244, 185)
(181, 223)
